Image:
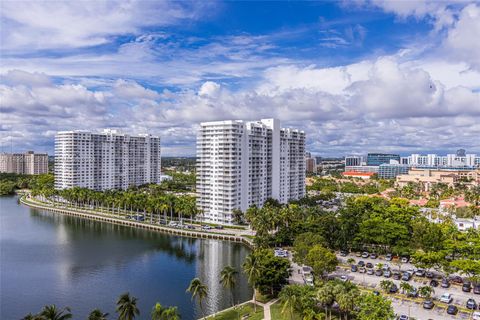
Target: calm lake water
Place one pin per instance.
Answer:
(47, 258)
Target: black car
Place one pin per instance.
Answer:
(369, 265)
(428, 304)
(379, 273)
(406, 276)
(361, 263)
(452, 310)
(388, 257)
(445, 283)
(354, 268)
(476, 289)
(466, 287)
(219, 227)
(434, 283)
(393, 289)
(396, 276)
(344, 253)
(471, 304)
(373, 256)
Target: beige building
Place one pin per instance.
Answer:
(24, 163)
(429, 177)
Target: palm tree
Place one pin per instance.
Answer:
(386, 285)
(325, 297)
(199, 291)
(53, 313)
(171, 313)
(127, 307)
(426, 291)
(289, 299)
(406, 287)
(250, 267)
(228, 280)
(97, 314)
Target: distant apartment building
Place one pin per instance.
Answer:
(459, 159)
(449, 176)
(241, 164)
(376, 159)
(106, 160)
(24, 163)
(310, 163)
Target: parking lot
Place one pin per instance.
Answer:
(404, 306)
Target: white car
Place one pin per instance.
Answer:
(476, 315)
(446, 297)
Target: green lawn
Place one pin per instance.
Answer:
(276, 312)
(238, 313)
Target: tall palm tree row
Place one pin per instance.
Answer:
(149, 201)
(126, 309)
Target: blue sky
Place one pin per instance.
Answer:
(357, 76)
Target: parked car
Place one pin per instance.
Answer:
(365, 254)
(397, 276)
(361, 263)
(405, 259)
(456, 279)
(466, 287)
(428, 304)
(343, 278)
(172, 224)
(453, 310)
(343, 253)
(446, 297)
(362, 270)
(358, 254)
(406, 276)
(434, 283)
(445, 283)
(476, 315)
(379, 273)
(388, 257)
(354, 268)
(206, 227)
(413, 293)
(430, 275)
(420, 273)
(369, 265)
(376, 293)
(393, 289)
(476, 289)
(219, 227)
(373, 255)
(471, 304)
(403, 317)
(387, 273)
(370, 271)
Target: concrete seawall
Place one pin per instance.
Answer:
(140, 225)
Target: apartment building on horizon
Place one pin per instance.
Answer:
(241, 164)
(106, 160)
(24, 163)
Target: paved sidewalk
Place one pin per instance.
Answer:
(266, 309)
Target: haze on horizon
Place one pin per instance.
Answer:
(357, 76)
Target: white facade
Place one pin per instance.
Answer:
(106, 160)
(24, 163)
(240, 164)
(450, 160)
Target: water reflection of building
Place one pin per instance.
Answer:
(214, 255)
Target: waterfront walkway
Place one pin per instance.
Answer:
(235, 235)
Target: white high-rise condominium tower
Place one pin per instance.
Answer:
(240, 164)
(105, 160)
